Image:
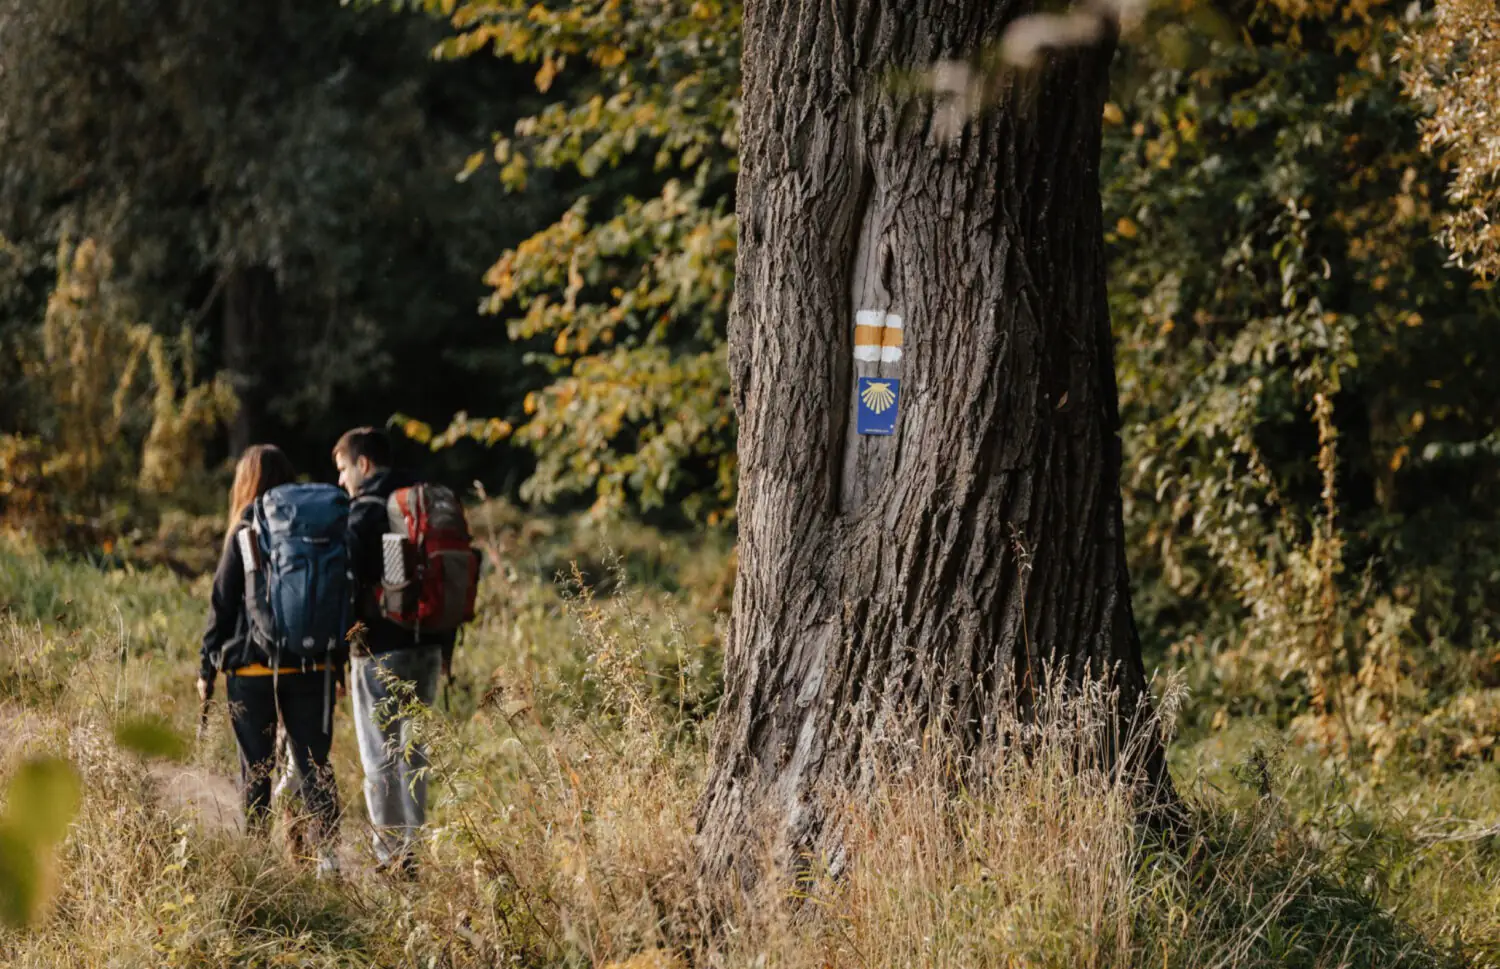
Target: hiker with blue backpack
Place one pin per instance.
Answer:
(278, 614)
(415, 576)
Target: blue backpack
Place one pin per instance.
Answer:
(298, 588)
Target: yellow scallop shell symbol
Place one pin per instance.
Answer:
(878, 397)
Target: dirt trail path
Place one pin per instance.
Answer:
(198, 793)
(212, 800)
(194, 792)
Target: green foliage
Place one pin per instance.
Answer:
(1302, 379)
(625, 297)
(637, 404)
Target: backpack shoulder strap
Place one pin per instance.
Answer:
(256, 526)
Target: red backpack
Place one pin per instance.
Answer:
(431, 572)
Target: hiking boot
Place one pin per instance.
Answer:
(402, 867)
(328, 865)
(294, 827)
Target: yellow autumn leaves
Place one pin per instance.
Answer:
(486, 430)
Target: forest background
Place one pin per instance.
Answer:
(507, 231)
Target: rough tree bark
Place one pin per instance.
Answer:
(930, 575)
(249, 306)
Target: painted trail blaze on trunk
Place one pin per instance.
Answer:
(945, 297)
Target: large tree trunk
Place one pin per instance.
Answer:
(928, 577)
(249, 305)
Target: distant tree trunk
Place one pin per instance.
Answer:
(929, 575)
(250, 306)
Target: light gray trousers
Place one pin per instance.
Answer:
(395, 774)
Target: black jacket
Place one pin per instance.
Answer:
(368, 523)
(228, 643)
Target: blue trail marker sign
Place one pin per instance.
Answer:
(879, 400)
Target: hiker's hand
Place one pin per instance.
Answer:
(205, 689)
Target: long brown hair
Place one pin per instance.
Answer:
(261, 468)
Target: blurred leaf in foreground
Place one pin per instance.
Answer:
(41, 802)
(151, 736)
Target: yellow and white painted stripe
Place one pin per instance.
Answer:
(877, 336)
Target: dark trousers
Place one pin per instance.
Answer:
(302, 699)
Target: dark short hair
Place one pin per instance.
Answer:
(365, 442)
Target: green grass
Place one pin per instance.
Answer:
(1424, 846)
(567, 764)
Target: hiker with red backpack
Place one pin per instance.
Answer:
(278, 613)
(415, 575)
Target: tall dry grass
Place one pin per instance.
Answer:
(562, 827)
